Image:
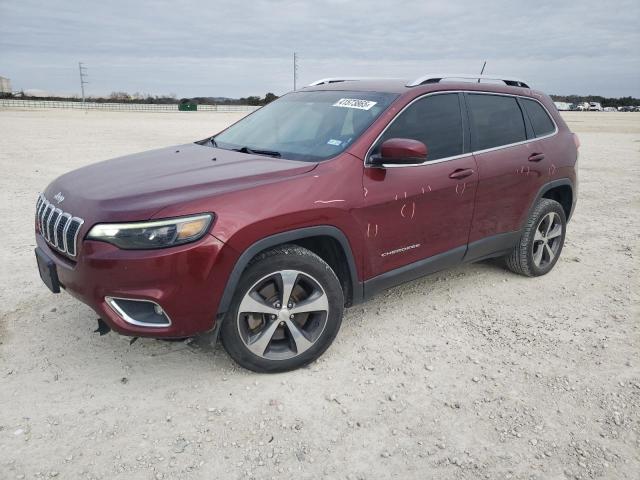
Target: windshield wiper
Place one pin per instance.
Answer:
(271, 153)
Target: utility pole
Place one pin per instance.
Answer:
(83, 75)
(295, 70)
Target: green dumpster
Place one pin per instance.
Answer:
(188, 106)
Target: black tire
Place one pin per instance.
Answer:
(521, 259)
(267, 264)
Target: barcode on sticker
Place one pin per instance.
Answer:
(354, 103)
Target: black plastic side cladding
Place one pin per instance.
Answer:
(290, 237)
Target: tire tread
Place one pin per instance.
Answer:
(518, 260)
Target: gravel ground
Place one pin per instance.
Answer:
(468, 374)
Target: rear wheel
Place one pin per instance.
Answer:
(286, 311)
(541, 242)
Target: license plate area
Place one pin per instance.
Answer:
(48, 271)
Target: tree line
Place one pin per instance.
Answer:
(604, 101)
(124, 97)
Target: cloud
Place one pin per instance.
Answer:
(242, 48)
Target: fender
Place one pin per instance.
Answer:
(544, 189)
(290, 237)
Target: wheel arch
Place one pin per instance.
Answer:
(327, 241)
(561, 190)
(563, 194)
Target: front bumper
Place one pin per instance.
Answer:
(187, 281)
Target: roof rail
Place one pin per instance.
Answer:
(340, 79)
(437, 77)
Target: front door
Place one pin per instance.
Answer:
(415, 212)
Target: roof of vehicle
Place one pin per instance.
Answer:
(400, 86)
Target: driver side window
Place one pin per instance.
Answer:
(435, 120)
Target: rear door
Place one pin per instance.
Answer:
(415, 212)
(511, 166)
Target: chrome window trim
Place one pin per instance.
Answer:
(463, 155)
(111, 301)
(548, 114)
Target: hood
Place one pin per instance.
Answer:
(136, 186)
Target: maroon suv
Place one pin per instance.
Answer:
(316, 202)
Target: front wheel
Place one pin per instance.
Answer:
(286, 311)
(542, 240)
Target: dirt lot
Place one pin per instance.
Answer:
(473, 373)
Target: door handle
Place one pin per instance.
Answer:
(536, 157)
(461, 173)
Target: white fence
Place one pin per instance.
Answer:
(131, 107)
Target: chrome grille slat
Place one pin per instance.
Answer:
(45, 221)
(72, 235)
(51, 225)
(60, 229)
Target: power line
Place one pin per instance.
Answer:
(83, 75)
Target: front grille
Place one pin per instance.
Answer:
(58, 228)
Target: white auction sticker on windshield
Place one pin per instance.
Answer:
(354, 103)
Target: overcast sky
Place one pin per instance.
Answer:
(238, 48)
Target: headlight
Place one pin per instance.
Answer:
(154, 233)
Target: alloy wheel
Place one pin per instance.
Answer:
(282, 315)
(547, 240)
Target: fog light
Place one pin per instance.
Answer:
(143, 313)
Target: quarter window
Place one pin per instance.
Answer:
(435, 120)
(496, 120)
(540, 121)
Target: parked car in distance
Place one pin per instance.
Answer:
(595, 107)
(266, 231)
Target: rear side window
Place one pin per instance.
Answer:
(435, 120)
(540, 121)
(496, 120)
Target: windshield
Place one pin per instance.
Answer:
(308, 126)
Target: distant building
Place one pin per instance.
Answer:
(5, 85)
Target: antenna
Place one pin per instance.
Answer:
(482, 71)
(83, 74)
(295, 70)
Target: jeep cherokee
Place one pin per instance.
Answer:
(266, 231)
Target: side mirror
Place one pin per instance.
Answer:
(400, 151)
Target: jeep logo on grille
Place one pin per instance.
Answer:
(58, 197)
